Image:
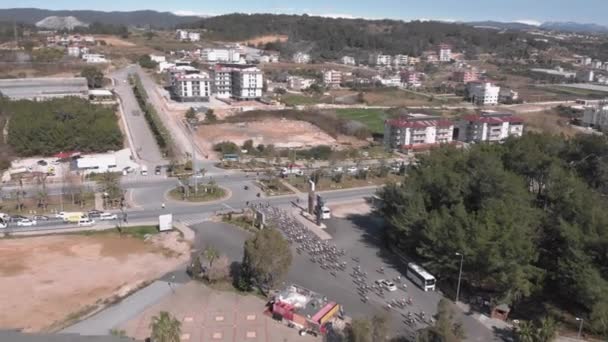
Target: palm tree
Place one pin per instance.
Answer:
(165, 328)
(526, 332)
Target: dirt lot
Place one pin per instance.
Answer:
(114, 41)
(266, 39)
(343, 210)
(281, 133)
(548, 121)
(46, 279)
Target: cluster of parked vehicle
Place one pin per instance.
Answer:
(82, 219)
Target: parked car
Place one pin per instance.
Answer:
(352, 169)
(42, 162)
(95, 213)
(338, 169)
(16, 218)
(157, 170)
(26, 223)
(85, 222)
(41, 218)
(387, 284)
(107, 216)
(60, 215)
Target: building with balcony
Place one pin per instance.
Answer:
(483, 94)
(247, 82)
(301, 58)
(379, 59)
(445, 53)
(401, 60)
(465, 76)
(417, 132)
(191, 87)
(488, 127)
(332, 78)
(222, 81)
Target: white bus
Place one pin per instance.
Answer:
(420, 277)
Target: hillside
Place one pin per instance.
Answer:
(135, 18)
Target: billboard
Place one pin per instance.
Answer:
(165, 222)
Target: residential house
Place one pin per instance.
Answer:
(213, 56)
(483, 93)
(411, 78)
(299, 83)
(332, 78)
(465, 76)
(74, 51)
(506, 95)
(192, 87)
(94, 58)
(488, 127)
(348, 60)
(445, 53)
(585, 76)
(158, 58)
(301, 58)
(596, 116)
(417, 131)
(400, 60)
(379, 59)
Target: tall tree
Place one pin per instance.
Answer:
(165, 328)
(266, 258)
(93, 75)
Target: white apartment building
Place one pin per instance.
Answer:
(192, 87)
(332, 78)
(445, 53)
(401, 60)
(181, 34)
(299, 83)
(164, 66)
(488, 127)
(380, 59)
(348, 60)
(417, 132)
(483, 94)
(301, 58)
(194, 36)
(158, 58)
(220, 56)
(247, 83)
(74, 51)
(94, 58)
(596, 116)
(222, 81)
(411, 79)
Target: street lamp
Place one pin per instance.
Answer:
(459, 276)
(580, 327)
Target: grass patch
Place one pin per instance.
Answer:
(82, 202)
(138, 232)
(299, 100)
(348, 182)
(578, 92)
(274, 187)
(372, 118)
(205, 194)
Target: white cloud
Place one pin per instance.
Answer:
(529, 22)
(191, 13)
(336, 15)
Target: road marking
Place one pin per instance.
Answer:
(227, 206)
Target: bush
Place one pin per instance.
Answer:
(227, 147)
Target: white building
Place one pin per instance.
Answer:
(220, 56)
(299, 83)
(596, 116)
(380, 59)
(222, 81)
(488, 127)
(181, 34)
(191, 87)
(74, 51)
(332, 78)
(401, 60)
(348, 60)
(597, 64)
(483, 94)
(507, 95)
(411, 79)
(445, 53)
(301, 58)
(585, 76)
(158, 58)
(97, 163)
(390, 81)
(247, 83)
(94, 58)
(417, 131)
(194, 36)
(164, 66)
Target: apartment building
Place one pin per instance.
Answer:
(301, 58)
(483, 94)
(488, 127)
(213, 56)
(184, 35)
(380, 59)
(465, 76)
(181, 34)
(247, 82)
(400, 60)
(445, 53)
(332, 78)
(585, 76)
(194, 36)
(222, 81)
(348, 60)
(299, 83)
(191, 87)
(412, 61)
(411, 78)
(417, 131)
(596, 116)
(74, 51)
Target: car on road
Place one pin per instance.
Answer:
(85, 222)
(26, 223)
(387, 284)
(352, 169)
(338, 169)
(157, 170)
(16, 218)
(41, 218)
(95, 213)
(107, 216)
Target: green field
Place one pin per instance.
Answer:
(299, 100)
(578, 92)
(372, 118)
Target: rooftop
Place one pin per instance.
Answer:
(420, 121)
(30, 88)
(493, 118)
(305, 302)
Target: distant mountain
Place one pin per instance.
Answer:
(501, 25)
(136, 18)
(60, 23)
(574, 27)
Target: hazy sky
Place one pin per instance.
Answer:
(587, 11)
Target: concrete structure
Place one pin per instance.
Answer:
(445, 53)
(597, 116)
(164, 66)
(101, 96)
(158, 58)
(483, 94)
(299, 83)
(43, 88)
(194, 36)
(507, 95)
(332, 78)
(465, 76)
(301, 58)
(222, 81)
(74, 51)
(586, 76)
(304, 308)
(348, 60)
(597, 64)
(555, 72)
(411, 79)
(191, 87)
(380, 59)
(97, 163)
(488, 127)
(94, 58)
(247, 82)
(401, 60)
(181, 34)
(417, 131)
(390, 81)
(220, 56)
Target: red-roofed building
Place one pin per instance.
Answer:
(488, 127)
(417, 131)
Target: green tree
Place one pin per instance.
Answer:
(93, 75)
(211, 254)
(266, 258)
(248, 146)
(360, 331)
(146, 62)
(165, 328)
(190, 114)
(210, 116)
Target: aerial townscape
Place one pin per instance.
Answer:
(243, 171)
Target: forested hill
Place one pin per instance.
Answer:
(329, 37)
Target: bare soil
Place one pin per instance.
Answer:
(344, 210)
(46, 279)
(271, 38)
(548, 121)
(114, 41)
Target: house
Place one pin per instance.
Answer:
(488, 127)
(585, 76)
(301, 58)
(191, 87)
(411, 79)
(348, 60)
(380, 59)
(445, 53)
(417, 131)
(400, 60)
(506, 95)
(247, 82)
(299, 83)
(74, 51)
(389, 81)
(164, 66)
(412, 61)
(212, 56)
(483, 93)
(465, 76)
(304, 309)
(94, 58)
(332, 78)
(194, 36)
(158, 58)
(596, 116)
(181, 34)
(597, 64)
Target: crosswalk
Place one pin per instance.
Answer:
(193, 219)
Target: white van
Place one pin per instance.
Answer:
(85, 222)
(144, 170)
(325, 213)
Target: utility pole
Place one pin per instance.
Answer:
(193, 157)
(459, 276)
(16, 34)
